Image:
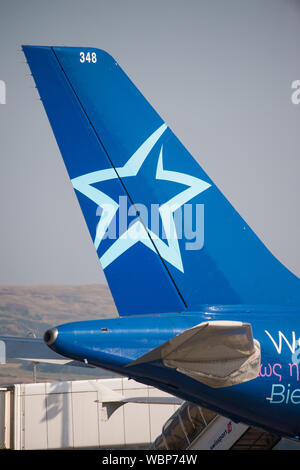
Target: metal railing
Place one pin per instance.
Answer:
(183, 427)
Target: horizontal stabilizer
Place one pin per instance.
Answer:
(32, 350)
(111, 400)
(217, 353)
(170, 400)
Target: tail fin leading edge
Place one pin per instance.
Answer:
(182, 244)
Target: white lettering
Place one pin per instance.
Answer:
(2, 92)
(279, 346)
(296, 94)
(88, 57)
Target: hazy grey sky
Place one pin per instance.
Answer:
(218, 72)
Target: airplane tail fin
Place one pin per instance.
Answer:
(166, 237)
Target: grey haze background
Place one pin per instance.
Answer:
(218, 72)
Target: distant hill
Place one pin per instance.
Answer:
(26, 310)
(31, 310)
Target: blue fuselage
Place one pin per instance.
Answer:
(271, 401)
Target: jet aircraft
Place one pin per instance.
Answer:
(207, 313)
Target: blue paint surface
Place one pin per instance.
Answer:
(100, 120)
(114, 144)
(270, 401)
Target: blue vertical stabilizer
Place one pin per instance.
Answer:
(182, 244)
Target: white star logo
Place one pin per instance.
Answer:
(137, 232)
